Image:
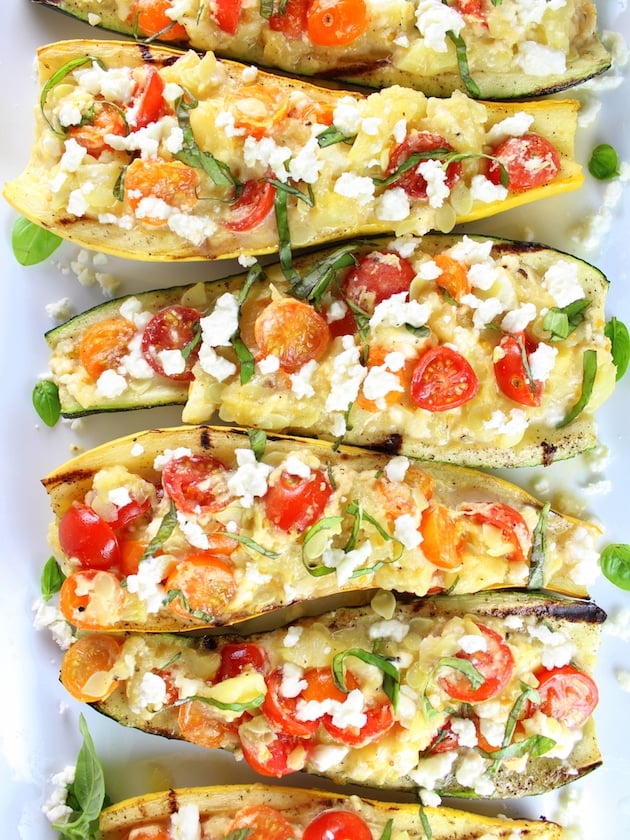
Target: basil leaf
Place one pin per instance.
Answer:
(424, 822)
(245, 359)
(328, 522)
(562, 321)
(462, 64)
(615, 564)
(192, 155)
(465, 667)
(32, 243)
(46, 401)
(225, 707)
(56, 78)
(317, 280)
(387, 831)
(51, 579)
(249, 543)
(167, 526)
(331, 135)
(604, 162)
(390, 686)
(258, 442)
(617, 333)
(239, 834)
(589, 372)
(87, 792)
(535, 745)
(539, 549)
(285, 252)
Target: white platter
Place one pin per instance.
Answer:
(38, 730)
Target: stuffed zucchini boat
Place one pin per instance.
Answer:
(284, 813)
(464, 349)
(496, 50)
(183, 528)
(488, 695)
(152, 154)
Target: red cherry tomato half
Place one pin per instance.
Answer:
(442, 379)
(196, 484)
(379, 720)
(420, 142)
(337, 825)
(511, 374)
(148, 100)
(130, 512)
(281, 711)
(283, 755)
(530, 161)
(567, 695)
(172, 328)
(509, 521)
(495, 664)
(236, 658)
(227, 14)
(293, 503)
(290, 19)
(85, 535)
(335, 23)
(252, 207)
(376, 277)
(261, 822)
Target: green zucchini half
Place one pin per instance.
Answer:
(220, 806)
(228, 160)
(399, 666)
(391, 50)
(490, 429)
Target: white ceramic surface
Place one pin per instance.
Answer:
(38, 730)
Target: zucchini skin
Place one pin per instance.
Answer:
(300, 806)
(579, 621)
(331, 216)
(590, 59)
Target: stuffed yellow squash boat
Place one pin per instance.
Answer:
(496, 50)
(489, 695)
(200, 527)
(152, 154)
(288, 813)
(471, 350)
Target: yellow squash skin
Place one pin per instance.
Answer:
(392, 49)
(217, 807)
(419, 638)
(248, 119)
(279, 578)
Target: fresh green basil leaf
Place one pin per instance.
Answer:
(539, 549)
(167, 526)
(462, 64)
(317, 280)
(258, 442)
(225, 707)
(239, 834)
(252, 544)
(617, 333)
(51, 579)
(424, 822)
(32, 243)
(465, 667)
(604, 162)
(589, 372)
(390, 686)
(46, 401)
(285, 251)
(387, 831)
(192, 155)
(615, 564)
(535, 746)
(56, 78)
(245, 358)
(562, 321)
(331, 135)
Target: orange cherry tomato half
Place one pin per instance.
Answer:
(420, 143)
(86, 667)
(261, 822)
(107, 119)
(150, 18)
(259, 108)
(227, 14)
(337, 825)
(172, 328)
(440, 539)
(171, 181)
(197, 484)
(91, 599)
(104, 345)
(205, 582)
(453, 279)
(567, 695)
(511, 373)
(293, 331)
(530, 161)
(335, 23)
(131, 552)
(154, 831)
(442, 379)
(294, 503)
(376, 277)
(252, 207)
(509, 521)
(200, 724)
(495, 664)
(83, 534)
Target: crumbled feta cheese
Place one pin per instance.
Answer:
(48, 616)
(185, 824)
(562, 282)
(347, 376)
(557, 649)
(584, 556)
(60, 310)
(541, 361)
(292, 636)
(250, 478)
(536, 59)
(396, 468)
(429, 798)
(220, 325)
(393, 205)
(514, 426)
(485, 310)
(268, 153)
(193, 531)
(55, 808)
(359, 187)
(146, 583)
(292, 682)
(514, 126)
(215, 365)
(136, 450)
(150, 694)
(435, 175)
(406, 531)
(172, 361)
(306, 164)
(484, 190)
(470, 772)
(434, 20)
(433, 769)
(270, 364)
(395, 311)
(294, 465)
(301, 380)
(325, 756)
(347, 116)
(473, 643)
(345, 563)
(110, 384)
(391, 629)
(516, 320)
(465, 730)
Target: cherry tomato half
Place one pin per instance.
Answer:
(172, 328)
(376, 277)
(170, 181)
(453, 279)
(150, 18)
(85, 535)
(279, 757)
(237, 657)
(227, 14)
(442, 379)
(196, 484)
(200, 724)
(152, 831)
(281, 711)
(91, 599)
(106, 119)
(86, 665)
(261, 822)
(206, 583)
(511, 374)
(252, 207)
(567, 695)
(293, 503)
(530, 161)
(337, 825)
(509, 521)
(495, 664)
(149, 103)
(440, 539)
(335, 23)
(104, 345)
(420, 142)
(290, 18)
(293, 331)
